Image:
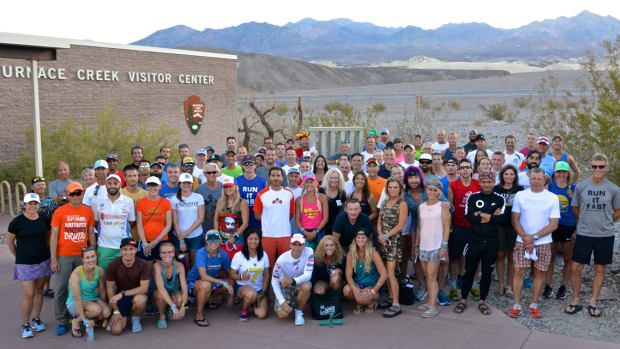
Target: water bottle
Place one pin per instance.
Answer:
(90, 332)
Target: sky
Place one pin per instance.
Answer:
(130, 20)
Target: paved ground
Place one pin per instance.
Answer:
(448, 330)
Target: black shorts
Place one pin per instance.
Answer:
(124, 306)
(603, 248)
(457, 241)
(564, 233)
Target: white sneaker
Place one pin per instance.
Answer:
(299, 318)
(136, 326)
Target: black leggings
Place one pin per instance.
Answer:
(484, 252)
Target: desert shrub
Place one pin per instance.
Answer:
(454, 105)
(522, 101)
(497, 111)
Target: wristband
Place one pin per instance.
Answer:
(123, 293)
(384, 236)
(302, 230)
(173, 306)
(444, 243)
(158, 239)
(116, 312)
(182, 242)
(225, 283)
(236, 236)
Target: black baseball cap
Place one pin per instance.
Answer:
(129, 241)
(214, 157)
(480, 136)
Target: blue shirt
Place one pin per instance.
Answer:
(168, 192)
(547, 164)
(249, 189)
(213, 264)
(567, 217)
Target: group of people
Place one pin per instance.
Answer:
(285, 224)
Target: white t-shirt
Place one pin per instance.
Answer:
(253, 266)
(296, 191)
(276, 208)
(113, 219)
(515, 159)
(89, 195)
(349, 187)
(187, 212)
(437, 147)
(199, 174)
(367, 156)
(524, 180)
(285, 168)
(536, 210)
(471, 156)
(406, 165)
(299, 269)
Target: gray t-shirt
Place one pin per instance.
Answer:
(264, 172)
(596, 204)
(210, 197)
(58, 187)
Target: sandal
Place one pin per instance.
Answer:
(392, 312)
(509, 292)
(424, 306)
(573, 309)
(429, 314)
(484, 309)
(201, 322)
(77, 333)
(460, 308)
(162, 324)
(592, 311)
(213, 305)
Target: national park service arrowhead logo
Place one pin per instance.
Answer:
(194, 113)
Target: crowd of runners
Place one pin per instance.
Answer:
(269, 231)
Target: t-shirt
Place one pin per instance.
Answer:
(375, 186)
(471, 156)
(367, 155)
(399, 158)
(383, 172)
(460, 194)
(567, 217)
(324, 271)
(509, 196)
(525, 151)
(296, 191)
(516, 159)
(30, 239)
(141, 193)
(122, 176)
(128, 278)
(253, 266)
(113, 218)
(438, 147)
(235, 172)
(153, 216)
(285, 168)
(276, 208)
(547, 163)
(210, 197)
(212, 264)
(58, 187)
(198, 173)
(347, 232)
(94, 192)
(596, 203)
(445, 184)
(72, 226)
(249, 189)
(524, 180)
(167, 191)
(299, 269)
(536, 210)
(187, 212)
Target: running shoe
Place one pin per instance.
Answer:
(61, 330)
(442, 298)
(243, 316)
(299, 318)
(547, 292)
(535, 313)
(37, 325)
(136, 326)
(514, 313)
(454, 295)
(421, 293)
(475, 293)
(27, 331)
(561, 293)
(528, 282)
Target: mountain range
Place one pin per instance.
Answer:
(351, 43)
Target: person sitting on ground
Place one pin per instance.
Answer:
(290, 281)
(87, 299)
(209, 276)
(127, 283)
(365, 273)
(328, 266)
(250, 269)
(170, 284)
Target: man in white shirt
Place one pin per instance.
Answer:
(291, 160)
(481, 144)
(114, 215)
(370, 149)
(201, 161)
(441, 143)
(291, 279)
(98, 190)
(535, 215)
(345, 168)
(410, 160)
(511, 156)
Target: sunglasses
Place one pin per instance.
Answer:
(38, 179)
(426, 162)
(465, 168)
(145, 166)
(188, 165)
(598, 167)
(88, 248)
(76, 193)
(212, 241)
(211, 172)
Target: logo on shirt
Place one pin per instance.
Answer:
(277, 201)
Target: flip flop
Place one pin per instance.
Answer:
(79, 332)
(575, 309)
(162, 324)
(592, 311)
(201, 322)
(429, 314)
(424, 306)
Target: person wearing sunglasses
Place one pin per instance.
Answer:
(211, 191)
(188, 167)
(596, 203)
(72, 229)
(210, 276)
(144, 172)
(87, 298)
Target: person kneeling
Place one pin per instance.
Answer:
(169, 276)
(328, 266)
(205, 281)
(127, 283)
(291, 279)
(250, 269)
(365, 273)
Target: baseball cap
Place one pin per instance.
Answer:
(373, 133)
(306, 155)
(480, 136)
(111, 156)
(385, 130)
(156, 164)
(451, 160)
(372, 160)
(113, 176)
(231, 151)
(247, 160)
(38, 179)
(73, 186)
(212, 235)
(201, 152)
(292, 170)
(186, 177)
(398, 140)
(259, 154)
(153, 180)
(426, 156)
(432, 183)
(31, 197)
(543, 140)
(228, 182)
(299, 238)
(101, 163)
(129, 242)
(215, 157)
(261, 149)
(309, 175)
(561, 166)
(408, 146)
(209, 148)
(187, 160)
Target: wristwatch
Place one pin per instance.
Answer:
(123, 293)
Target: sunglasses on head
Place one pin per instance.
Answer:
(145, 166)
(88, 248)
(76, 193)
(598, 167)
(38, 179)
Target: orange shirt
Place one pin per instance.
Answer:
(153, 216)
(375, 187)
(72, 226)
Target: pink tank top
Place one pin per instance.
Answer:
(431, 227)
(311, 216)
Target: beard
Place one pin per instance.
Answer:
(113, 191)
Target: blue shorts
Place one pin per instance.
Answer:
(192, 244)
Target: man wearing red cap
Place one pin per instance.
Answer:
(304, 144)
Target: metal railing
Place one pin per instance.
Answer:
(327, 139)
(6, 198)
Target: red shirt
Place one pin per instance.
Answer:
(123, 182)
(460, 193)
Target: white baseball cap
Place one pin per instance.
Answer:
(298, 238)
(114, 176)
(101, 163)
(186, 177)
(153, 179)
(426, 156)
(31, 197)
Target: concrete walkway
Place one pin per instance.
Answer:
(447, 330)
